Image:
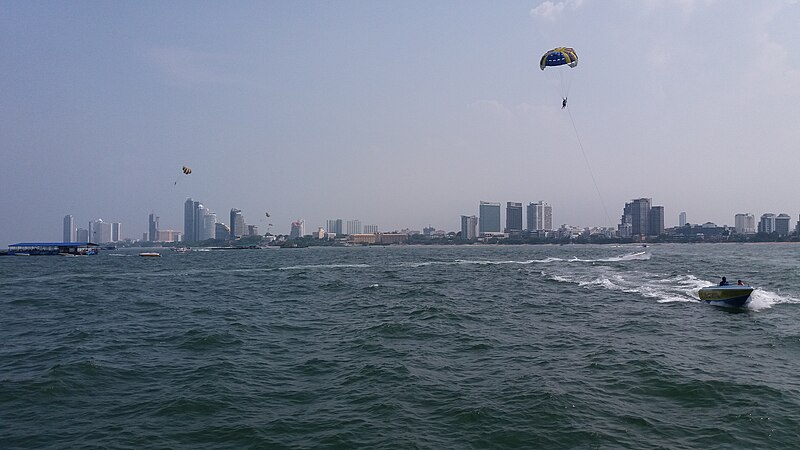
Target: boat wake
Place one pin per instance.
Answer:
(681, 288)
(763, 299)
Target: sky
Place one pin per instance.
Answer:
(403, 114)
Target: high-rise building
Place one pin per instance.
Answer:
(656, 221)
(116, 232)
(469, 227)
(209, 225)
(682, 219)
(547, 211)
(298, 229)
(513, 217)
(745, 223)
(640, 211)
(69, 228)
(82, 235)
(222, 231)
(539, 216)
(99, 231)
(782, 224)
(238, 227)
(767, 223)
(153, 227)
(639, 218)
(188, 221)
(370, 229)
(354, 226)
(252, 230)
(489, 217)
(197, 226)
(334, 226)
(535, 217)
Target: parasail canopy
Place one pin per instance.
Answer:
(559, 56)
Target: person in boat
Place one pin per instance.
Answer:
(740, 282)
(564, 103)
(724, 282)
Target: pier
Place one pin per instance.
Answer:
(53, 248)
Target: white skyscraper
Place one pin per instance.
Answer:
(682, 219)
(745, 223)
(209, 225)
(69, 229)
(354, 226)
(540, 217)
(116, 232)
(548, 216)
(99, 232)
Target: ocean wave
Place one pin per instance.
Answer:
(681, 289)
(762, 299)
(324, 266)
(638, 256)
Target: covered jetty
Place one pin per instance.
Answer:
(53, 248)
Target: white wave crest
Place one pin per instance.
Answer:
(638, 256)
(763, 299)
(495, 263)
(325, 266)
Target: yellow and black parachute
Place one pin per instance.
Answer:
(186, 171)
(559, 56)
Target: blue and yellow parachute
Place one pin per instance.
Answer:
(559, 56)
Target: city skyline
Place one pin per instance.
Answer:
(401, 114)
(639, 218)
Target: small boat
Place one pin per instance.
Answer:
(732, 295)
(151, 254)
(181, 249)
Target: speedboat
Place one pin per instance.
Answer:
(732, 295)
(150, 254)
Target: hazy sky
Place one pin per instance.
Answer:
(401, 114)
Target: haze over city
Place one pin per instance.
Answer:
(402, 114)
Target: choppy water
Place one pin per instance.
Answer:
(428, 347)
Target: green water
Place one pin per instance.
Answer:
(401, 347)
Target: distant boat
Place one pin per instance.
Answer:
(181, 249)
(151, 254)
(732, 295)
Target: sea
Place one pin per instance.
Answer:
(422, 347)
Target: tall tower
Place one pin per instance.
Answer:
(237, 223)
(534, 213)
(656, 221)
(100, 232)
(640, 211)
(69, 228)
(489, 217)
(745, 223)
(209, 225)
(547, 212)
(513, 217)
(188, 221)
(334, 226)
(354, 226)
(153, 227)
(116, 231)
(469, 227)
(682, 219)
